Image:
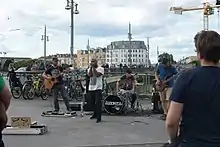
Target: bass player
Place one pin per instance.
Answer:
(165, 71)
(54, 73)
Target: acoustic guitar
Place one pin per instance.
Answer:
(163, 84)
(49, 83)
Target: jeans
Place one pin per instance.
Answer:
(60, 88)
(96, 97)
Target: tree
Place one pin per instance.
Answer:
(6, 65)
(65, 66)
(196, 63)
(24, 63)
(166, 56)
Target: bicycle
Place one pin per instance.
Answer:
(76, 89)
(32, 87)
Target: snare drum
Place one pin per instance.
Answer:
(113, 104)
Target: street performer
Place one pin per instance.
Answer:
(195, 98)
(54, 72)
(165, 71)
(127, 82)
(95, 74)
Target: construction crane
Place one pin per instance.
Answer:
(208, 9)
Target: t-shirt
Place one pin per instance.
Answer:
(96, 83)
(126, 83)
(166, 72)
(198, 90)
(2, 83)
(55, 72)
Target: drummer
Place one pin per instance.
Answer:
(127, 82)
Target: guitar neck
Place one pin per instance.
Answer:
(171, 78)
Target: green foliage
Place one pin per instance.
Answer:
(196, 63)
(24, 63)
(65, 66)
(166, 56)
(6, 65)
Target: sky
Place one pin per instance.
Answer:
(100, 21)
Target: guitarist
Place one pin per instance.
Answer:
(54, 73)
(164, 71)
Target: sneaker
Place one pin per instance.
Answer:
(93, 117)
(98, 120)
(55, 112)
(70, 113)
(163, 117)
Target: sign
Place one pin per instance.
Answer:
(21, 122)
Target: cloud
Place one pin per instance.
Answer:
(102, 21)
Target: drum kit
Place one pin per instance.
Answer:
(116, 104)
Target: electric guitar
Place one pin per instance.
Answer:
(49, 83)
(163, 84)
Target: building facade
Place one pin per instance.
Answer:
(82, 59)
(188, 60)
(118, 53)
(99, 54)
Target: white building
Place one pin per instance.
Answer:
(118, 53)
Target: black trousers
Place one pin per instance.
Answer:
(96, 97)
(60, 88)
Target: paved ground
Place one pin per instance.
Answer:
(72, 132)
(116, 131)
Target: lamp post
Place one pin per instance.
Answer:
(45, 38)
(73, 6)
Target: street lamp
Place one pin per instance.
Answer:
(45, 38)
(73, 6)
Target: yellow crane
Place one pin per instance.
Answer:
(207, 8)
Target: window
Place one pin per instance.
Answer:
(107, 60)
(121, 60)
(139, 55)
(133, 60)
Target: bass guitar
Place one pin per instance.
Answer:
(49, 83)
(163, 84)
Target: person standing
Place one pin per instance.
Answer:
(165, 71)
(95, 74)
(194, 109)
(54, 72)
(5, 98)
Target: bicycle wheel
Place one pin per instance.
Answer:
(16, 92)
(25, 90)
(78, 93)
(31, 93)
(70, 93)
(44, 93)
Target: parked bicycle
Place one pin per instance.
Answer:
(32, 87)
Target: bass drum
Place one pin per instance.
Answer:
(113, 104)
